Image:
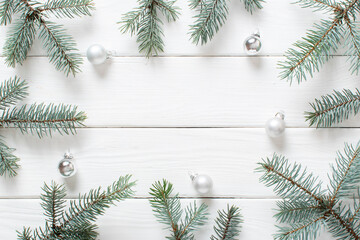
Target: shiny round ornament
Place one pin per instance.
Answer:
(252, 44)
(67, 167)
(202, 183)
(96, 54)
(275, 126)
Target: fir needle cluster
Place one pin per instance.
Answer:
(144, 21)
(334, 108)
(321, 43)
(211, 16)
(32, 19)
(78, 222)
(307, 208)
(39, 119)
(184, 223)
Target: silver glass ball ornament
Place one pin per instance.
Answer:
(97, 54)
(275, 126)
(202, 183)
(67, 167)
(252, 44)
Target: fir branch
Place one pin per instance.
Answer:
(53, 202)
(227, 224)
(90, 205)
(305, 218)
(78, 222)
(289, 180)
(252, 5)
(210, 17)
(195, 217)
(320, 44)
(19, 40)
(312, 52)
(352, 40)
(68, 8)
(7, 9)
(60, 47)
(44, 119)
(12, 91)
(345, 173)
(8, 162)
(334, 108)
(145, 23)
(297, 211)
(308, 229)
(167, 208)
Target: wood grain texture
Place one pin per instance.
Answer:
(229, 156)
(133, 219)
(278, 31)
(183, 92)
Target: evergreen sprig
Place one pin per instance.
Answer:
(144, 22)
(78, 222)
(167, 209)
(39, 119)
(33, 19)
(211, 16)
(306, 207)
(321, 43)
(334, 108)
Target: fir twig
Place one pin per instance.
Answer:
(44, 119)
(227, 224)
(61, 48)
(321, 43)
(211, 16)
(334, 108)
(78, 222)
(12, 91)
(146, 24)
(8, 162)
(304, 215)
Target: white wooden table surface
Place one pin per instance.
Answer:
(198, 108)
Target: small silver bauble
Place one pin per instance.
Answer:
(67, 167)
(202, 183)
(97, 54)
(275, 126)
(252, 44)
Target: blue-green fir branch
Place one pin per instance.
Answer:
(303, 217)
(8, 162)
(32, 20)
(321, 43)
(78, 222)
(334, 108)
(144, 22)
(211, 15)
(43, 120)
(12, 91)
(68, 8)
(227, 224)
(167, 209)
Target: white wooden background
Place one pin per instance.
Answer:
(193, 108)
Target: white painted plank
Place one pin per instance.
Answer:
(183, 92)
(133, 219)
(278, 31)
(229, 156)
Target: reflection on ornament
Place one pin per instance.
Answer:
(97, 54)
(67, 166)
(202, 183)
(275, 126)
(252, 44)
